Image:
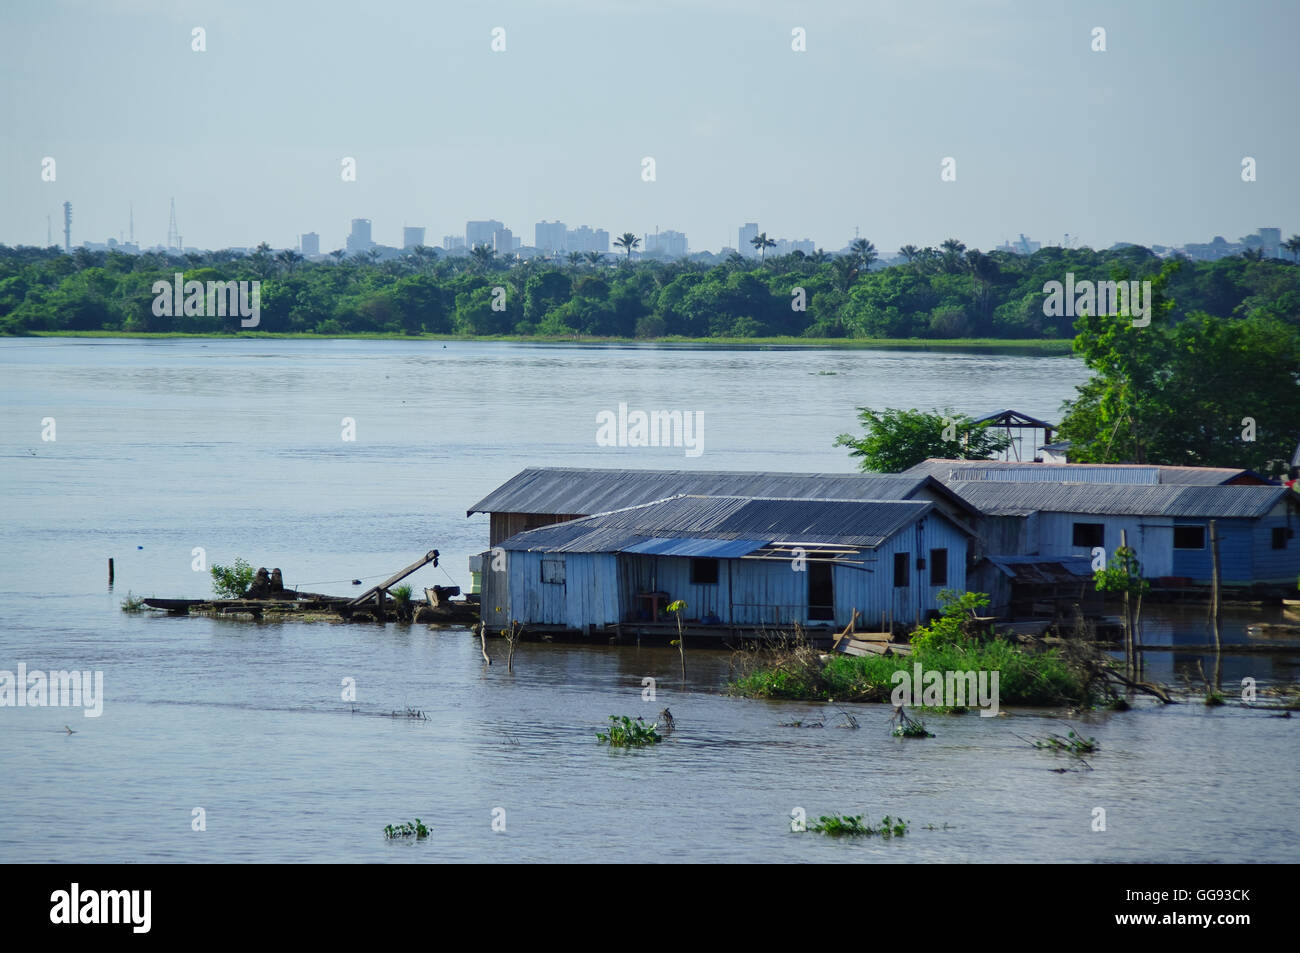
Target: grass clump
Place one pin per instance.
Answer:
(956, 641)
(851, 825)
(132, 603)
(625, 732)
(416, 830)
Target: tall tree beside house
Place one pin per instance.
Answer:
(1206, 391)
(897, 439)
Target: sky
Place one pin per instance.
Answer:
(1141, 142)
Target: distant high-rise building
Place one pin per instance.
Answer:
(503, 240)
(1021, 246)
(453, 242)
(359, 240)
(585, 239)
(665, 244)
(1270, 241)
(748, 231)
(412, 235)
(309, 245)
(481, 233)
(550, 236)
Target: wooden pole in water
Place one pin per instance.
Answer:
(1130, 657)
(1214, 600)
(110, 570)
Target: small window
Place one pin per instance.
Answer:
(1190, 537)
(704, 572)
(900, 570)
(553, 571)
(1089, 535)
(1279, 537)
(938, 567)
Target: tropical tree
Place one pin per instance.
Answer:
(909, 253)
(864, 252)
(897, 439)
(762, 243)
(627, 241)
(595, 258)
(483, 255)
(1292, 245)
(574, 258)
(288, 259)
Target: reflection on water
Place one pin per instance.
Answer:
(235, 447)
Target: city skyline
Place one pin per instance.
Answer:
(813, 122)
(672, 244)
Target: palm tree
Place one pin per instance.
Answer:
(865, 252)
(627, 241)
(909, 253)
(820, 256)
(595, 258)
(762, 243)
(1253, 254)
(952, 250)
(574, 258)
(846, 271)
(288, 259)
(1292, 245)
(483, 255)
(337, 254)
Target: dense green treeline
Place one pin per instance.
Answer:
(938, 294)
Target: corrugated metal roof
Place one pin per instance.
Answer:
(760, 522)
(565, 491)
(1038, 570)
(950, 471)
(1057, 473)
(1206, 502)
(715, 548)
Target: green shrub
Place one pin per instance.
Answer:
(232, 582)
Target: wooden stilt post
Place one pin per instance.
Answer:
(1130, 657)
(110, 570)
(1214, 600)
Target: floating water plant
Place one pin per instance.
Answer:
(851, 825)
(132, 603)
(1071, 742)
(908, 727)
(416, 830)
(625, 732)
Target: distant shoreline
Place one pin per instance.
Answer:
(1047, 347)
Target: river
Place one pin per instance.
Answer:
(237, 448)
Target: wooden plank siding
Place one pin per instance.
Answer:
(602, 588)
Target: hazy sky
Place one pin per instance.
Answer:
(1143, 142)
